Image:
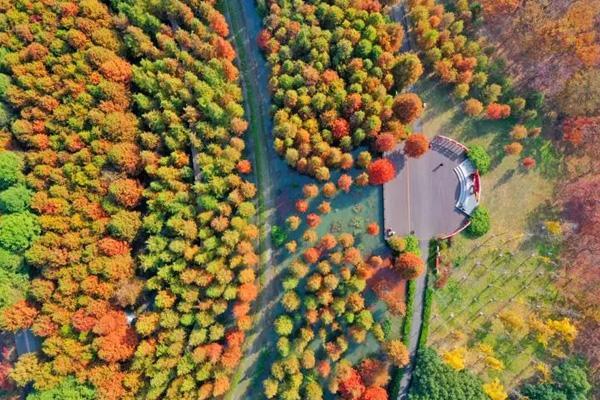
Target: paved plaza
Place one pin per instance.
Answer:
(422, 198)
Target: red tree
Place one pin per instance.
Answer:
(416, 145)
(351, 386)
(113, 247)
(219, 24)
(374, 372)
(340, 128)
(247, 292)
(301, 206)
(244, 167)
(498, 111)
(313, 220)
(18, 316)
(385, 142)
(311, 255)
(529, 162)
(381, 171)
(374, 393)
(263, 38)
(373, 228)
(126, 192)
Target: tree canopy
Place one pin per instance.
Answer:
(434, 380)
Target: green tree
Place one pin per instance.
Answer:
(284, 325)
(68, 389)
(15, 199)
(480, 222)
(18, 230)
(407, 70)
(278, 235)
(125, 225)
(13, 287)
(480, 158)
(11, 166)
(10, 261)
(434, 380)
(569, 382)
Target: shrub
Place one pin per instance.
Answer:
(397, 243)
(278, 235)
(480, 158)
(480, 222)
(412, 245)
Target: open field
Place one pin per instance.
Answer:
(503, 270)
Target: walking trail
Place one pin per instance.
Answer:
(245, 23)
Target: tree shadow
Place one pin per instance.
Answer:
(482, 331)
(505, 178)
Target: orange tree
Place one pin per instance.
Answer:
(416, 145)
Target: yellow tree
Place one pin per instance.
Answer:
(455, 358)
(495, 390)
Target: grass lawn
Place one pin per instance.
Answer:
(503, 270)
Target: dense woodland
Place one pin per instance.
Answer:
(106, 107)
(336, 67)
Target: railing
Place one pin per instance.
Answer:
(459, 144)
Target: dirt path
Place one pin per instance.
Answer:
(245, 23)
